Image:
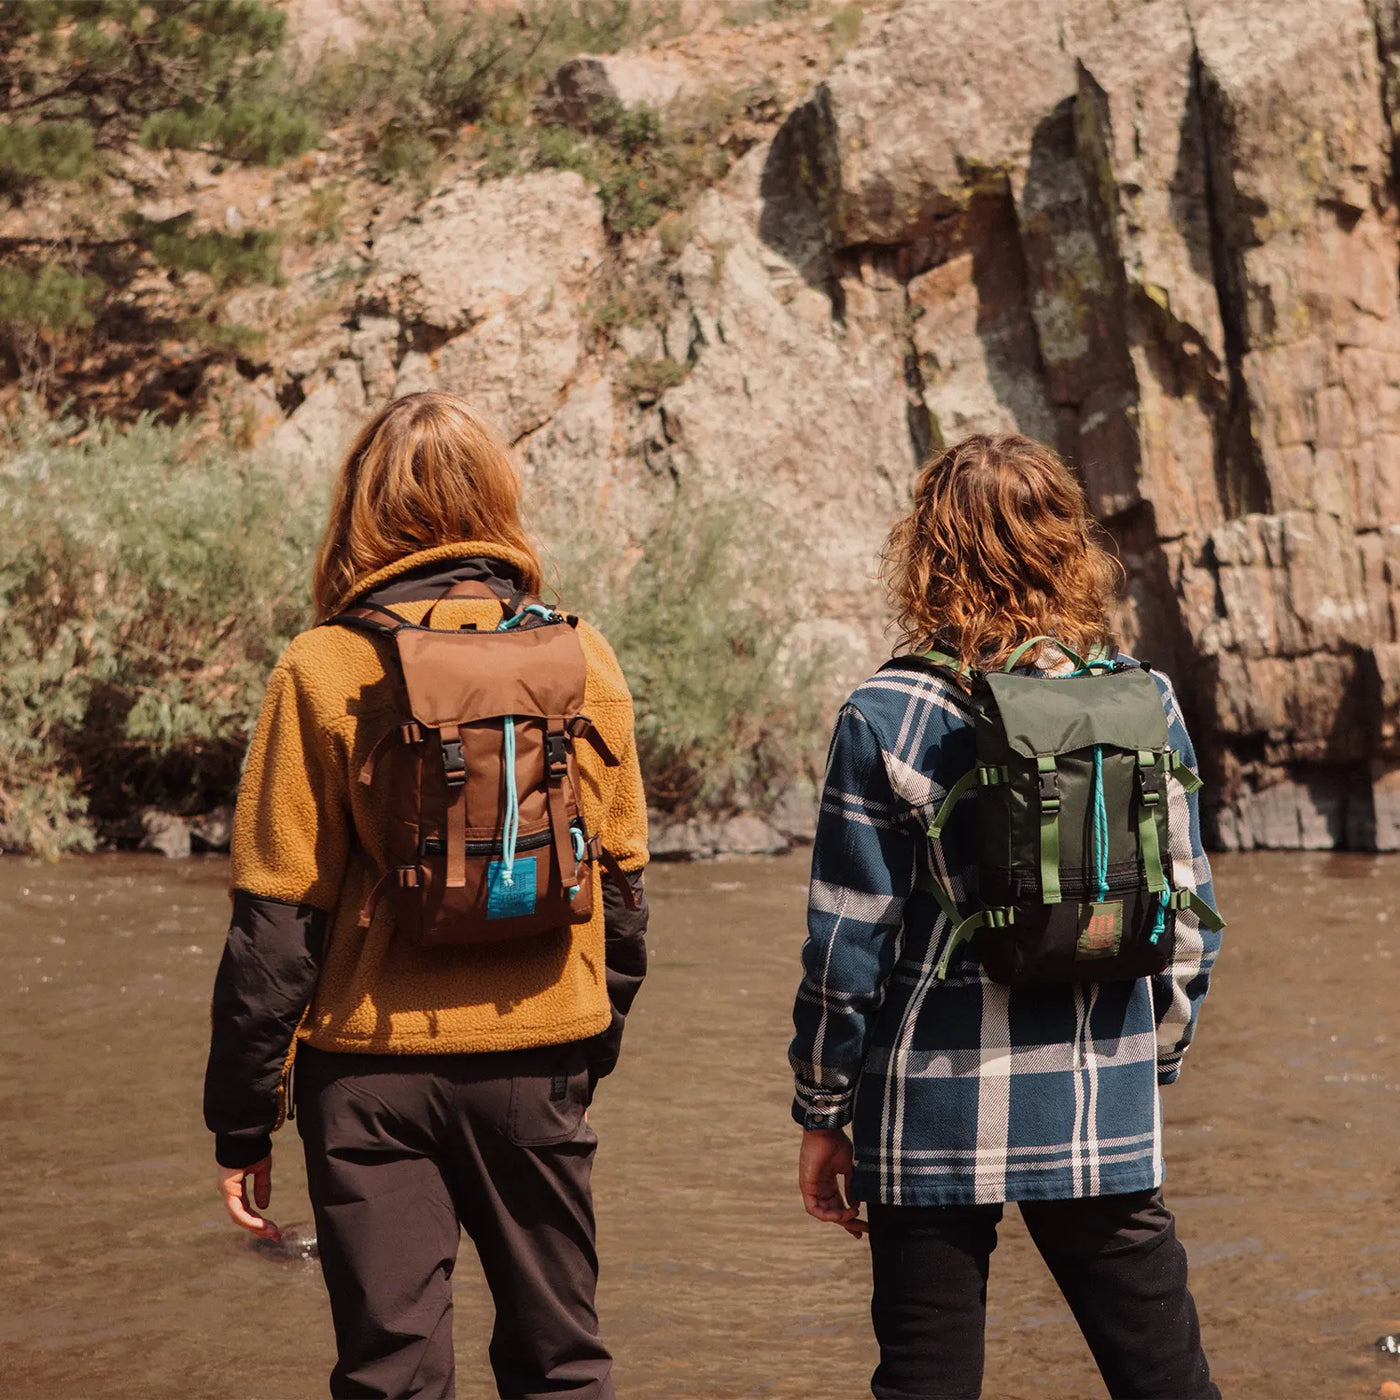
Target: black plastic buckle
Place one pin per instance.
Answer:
(1149, 791)
(454, 767)
(1050, 791)
(556, 755)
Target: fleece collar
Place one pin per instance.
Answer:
(436, 564)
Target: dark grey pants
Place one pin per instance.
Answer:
(401, 1151)
(1116, 1259)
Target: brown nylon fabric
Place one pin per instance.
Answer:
(462, 677)
(445, 836)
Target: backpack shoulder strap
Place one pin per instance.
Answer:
(938, 663)
(369, 617)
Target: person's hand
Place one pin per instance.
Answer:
(233, 1189)
(824, 1162)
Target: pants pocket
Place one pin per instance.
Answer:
(547, 1104)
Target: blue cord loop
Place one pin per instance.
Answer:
(511, 832)
(1163, 900)
(1100, 826)
(510, 623)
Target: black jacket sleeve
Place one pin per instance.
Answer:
(625, 952)
(264, 984)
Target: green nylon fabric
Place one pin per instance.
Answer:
(1150, 845)
(1049, 836)
(1122, 710)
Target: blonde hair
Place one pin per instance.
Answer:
(427, 470)
(999, 547)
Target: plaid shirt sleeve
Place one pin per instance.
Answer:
(1177, 993)
(863, 867)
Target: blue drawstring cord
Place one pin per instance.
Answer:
(1100, 826)
(511, 832)
(512, 824)
(539, 610)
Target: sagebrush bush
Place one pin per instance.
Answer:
(728, 709)
(433, 67)
(150, 578)
(148, 581)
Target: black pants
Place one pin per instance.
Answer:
(1116, 1259)
(401, 1150)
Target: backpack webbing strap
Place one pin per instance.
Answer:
(456, 833)
(996, 917)
(616, 873)
(942, 892)
(983, 775)
(1190, 900)
(581, 727)
(404, 876)
(410, 732)
(556, 762)
(1149, 799)
(1014, 659)
(1181, 772)
(361, 619)
(1049, 828)
(941, 658)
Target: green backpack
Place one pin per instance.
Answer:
(1073, 832)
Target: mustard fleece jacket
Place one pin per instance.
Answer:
(308, 845)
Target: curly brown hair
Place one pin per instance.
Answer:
(999, 547)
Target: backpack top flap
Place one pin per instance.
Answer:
(1043, 715)
(460, 677)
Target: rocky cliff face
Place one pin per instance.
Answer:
(1160, 234)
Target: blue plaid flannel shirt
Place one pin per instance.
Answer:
(965, 1090)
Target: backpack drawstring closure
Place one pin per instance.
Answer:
(511, 830)
(1100, 826)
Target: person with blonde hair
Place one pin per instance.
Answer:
(440, 772)
(966, 1080)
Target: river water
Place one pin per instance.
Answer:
(122, 1277)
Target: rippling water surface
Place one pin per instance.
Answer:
(122, 1278)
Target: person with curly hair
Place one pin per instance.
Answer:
(963, 1093)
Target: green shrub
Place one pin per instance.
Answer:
(46, 298)
(264, 132)
(653, 377)
(727, 711)
(402, 154)
(226, 338)
(227, 259)
(56, 150)
(434, 66)
(323, 214)
(84, 76)
(148, 581)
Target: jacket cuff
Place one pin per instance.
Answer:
(827, 1120)
(235, 1150)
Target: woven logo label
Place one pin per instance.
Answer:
(1100, 930)
(510, 901)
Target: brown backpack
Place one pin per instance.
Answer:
(485, 830)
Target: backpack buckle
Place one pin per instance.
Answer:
(454, 767)
(556, 755)
(1148, 789)
(1049, 783)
